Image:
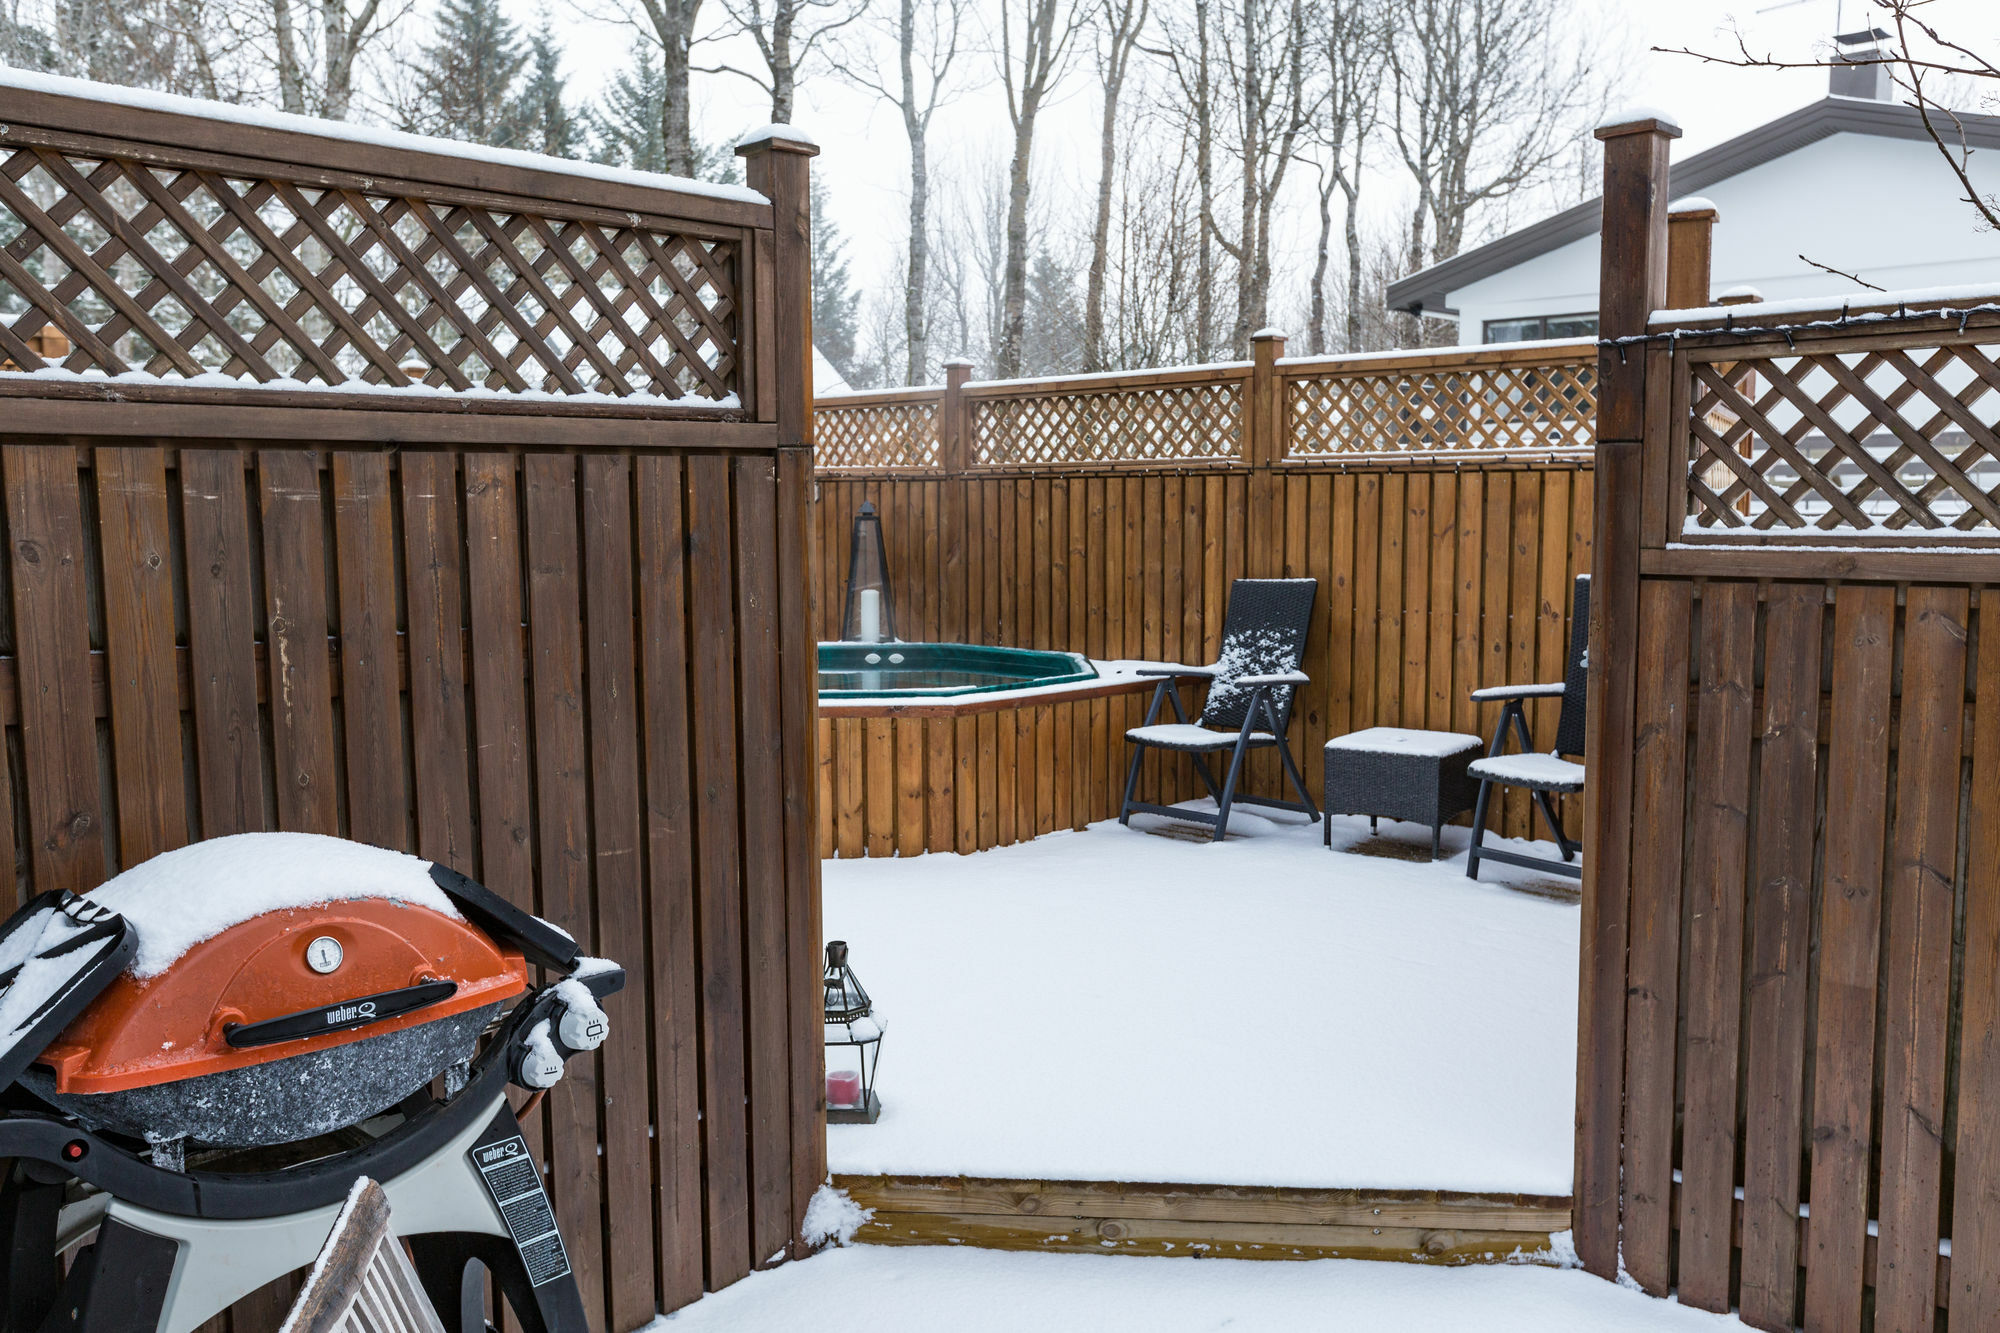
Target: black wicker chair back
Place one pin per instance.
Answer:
(1264, 633)
(1570, 724)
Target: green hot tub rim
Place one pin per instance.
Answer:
(1027, 668)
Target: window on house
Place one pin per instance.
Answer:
(1583, 325)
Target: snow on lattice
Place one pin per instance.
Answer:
(194, 893)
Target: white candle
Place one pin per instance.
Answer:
(871, 616)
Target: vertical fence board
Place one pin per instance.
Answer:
(370, 682)
(434, 594)
(215, 527)
(1850, 928)
(1781, 941)
(295, 619)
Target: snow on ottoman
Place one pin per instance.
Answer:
(1396, 773)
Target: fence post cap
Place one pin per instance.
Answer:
(958, 361)
(778, 138)
(1272, 333)
(1638, 120)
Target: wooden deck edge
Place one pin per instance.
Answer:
(1212, 1221)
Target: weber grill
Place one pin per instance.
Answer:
(198, 1060)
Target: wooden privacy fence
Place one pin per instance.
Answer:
(458, 506)
(1442, 500)
(1789, 1083)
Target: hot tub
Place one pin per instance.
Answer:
(932, 670)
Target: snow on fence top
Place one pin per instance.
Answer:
(231, 263)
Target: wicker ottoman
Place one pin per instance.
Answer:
(1392, 773)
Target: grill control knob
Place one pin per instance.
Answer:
(324, 955)
(536, 1065)
(581, 1031)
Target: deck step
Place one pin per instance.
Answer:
(1211, 1221)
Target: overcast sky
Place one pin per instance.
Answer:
(865, 163)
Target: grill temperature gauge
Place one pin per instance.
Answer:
(323, 955)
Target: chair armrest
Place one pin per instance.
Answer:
(1276, 678)
(1173, 669)
(1502, 693)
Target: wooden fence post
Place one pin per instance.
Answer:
(954, 423)
(1690, 247)
(1632, 282)
(778, 163)
(1263, 446)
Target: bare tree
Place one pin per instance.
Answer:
(1263, 67)
(317, 46)
(786, 34)
(1349, 41)
(1188, 52)
(1485, 102)
(1037, 39)
(927, 35)
(1158, 254)
(668, 26)
(1937, 73)
(1121, 22)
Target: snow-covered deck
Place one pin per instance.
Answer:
(1117, 1005)
(986, 1291)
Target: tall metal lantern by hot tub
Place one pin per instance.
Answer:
(871, 606)
(850, 1022)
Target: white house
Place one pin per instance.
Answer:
(1852, 182)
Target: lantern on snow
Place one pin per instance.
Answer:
(850, 1024)
(871, 608)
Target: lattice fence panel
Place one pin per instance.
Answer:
(875, 435)
(111, 267)
(1485, 408)
(1853, 441)
(1162, 423)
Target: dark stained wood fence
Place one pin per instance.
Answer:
(1441, 500)
(1790, 1060)
(545, 618)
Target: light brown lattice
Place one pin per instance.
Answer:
(186, 273)
(1485, 408)
(1898, 439)
(875, 435)
(1164, 423)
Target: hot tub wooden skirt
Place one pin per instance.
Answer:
(897, 779)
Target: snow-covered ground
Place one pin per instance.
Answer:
(987, 1291)
(1120, 1005)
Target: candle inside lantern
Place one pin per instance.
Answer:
(871, 616)
(843, 1087)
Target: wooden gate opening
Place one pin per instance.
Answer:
(458, 502)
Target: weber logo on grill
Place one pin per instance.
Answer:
(349, 1013)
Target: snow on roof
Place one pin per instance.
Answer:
(1632, 113)
(826, 376)
(349, 132)
(785, 133)
(194, 893)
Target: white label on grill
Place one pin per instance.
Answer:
(516, 1186)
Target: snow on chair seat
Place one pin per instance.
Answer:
(1188, 736)
(1537, 772)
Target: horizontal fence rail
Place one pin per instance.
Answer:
(1440, 571)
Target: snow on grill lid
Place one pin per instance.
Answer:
(194, 893)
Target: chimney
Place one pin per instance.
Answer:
(1853, 74)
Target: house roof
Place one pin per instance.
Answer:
(1428, 289)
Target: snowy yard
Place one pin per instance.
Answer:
(1120, 1005)
(988, 1291)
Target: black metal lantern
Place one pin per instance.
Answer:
(850, 1021)
(871, 607)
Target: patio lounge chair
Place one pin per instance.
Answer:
(1249, 702)
(1544, 775)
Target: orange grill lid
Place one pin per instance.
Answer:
(281, 983)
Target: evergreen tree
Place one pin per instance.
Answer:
(540, 109)
(465, 79)
(836, 320)
(625, 123)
